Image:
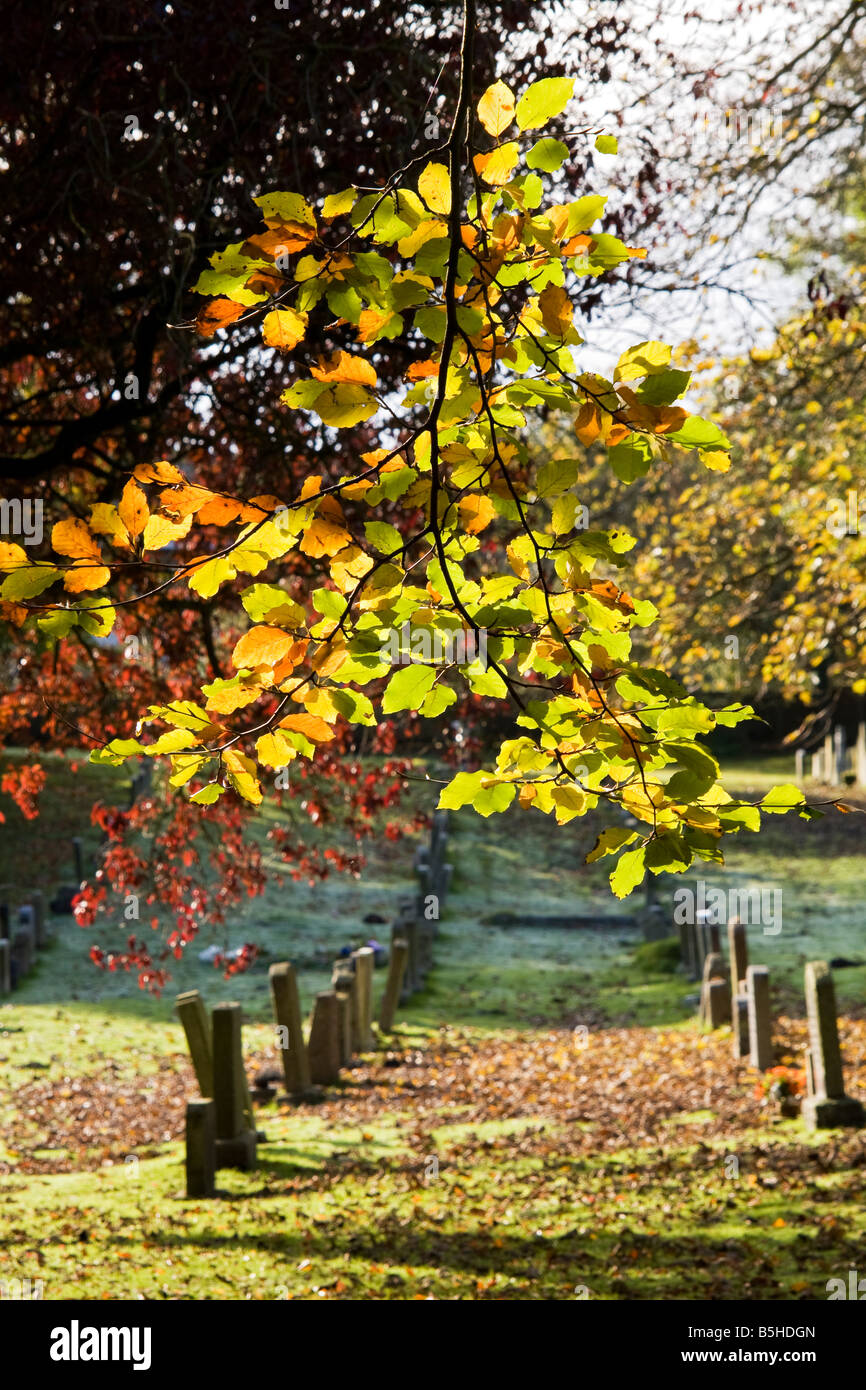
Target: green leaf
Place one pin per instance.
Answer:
(781, 799)
(115, 753)
(384, 538)
(354, 707)
(631, 459)
(668, 853)
(28, 581)
(407, 688)
(644, 359)
(699, 434)
(547, 154)
(207, 795)
(288, 207)
(606, 144)
(629, 872)
(482, 790)
(609, 841)
(543, 100)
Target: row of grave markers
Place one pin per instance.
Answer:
(19, 949)
(743, 1000)
(220, 1123)
(834, 761)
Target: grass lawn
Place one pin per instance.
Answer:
(489, 1150)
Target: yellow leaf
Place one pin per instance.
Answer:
(497, 167)
(262, 646)
(162, 472)
(272, 750)
(133, 509)
(159, 531)
(434, 185)
(241, 774)
(284, 329)
(716, 459)
(83, 577)
(496, 108)
(105, 521)
(556, 311)
(322, 537)
(12, 556)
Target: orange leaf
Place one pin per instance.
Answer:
(476, 512)
(161, 472)
(344, 367)
(310, 725)
(497, 167)
(217, 314)
(284, 329)
(587, 426)
(73, 538)
(262, 646)
(218, 511)
(133, 509)
(82, 577)
(323, 538)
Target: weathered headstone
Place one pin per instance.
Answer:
(344, 1027)
(393, 984)
(37, 902)
(800, 766)
(363, 959)
(324, 1045)
(840, 755)
(287, 1013)
(810, 1072)
(760, 1035)
(200, 1148)
(5, 967)
(738, 952)
(344, 983)
(740, 1025)
(24, 950)
(196, 1026)
(818, 766)
(829, 1105)
(235, 1139)
(860, 755)
(829, 760)
(712, 1001)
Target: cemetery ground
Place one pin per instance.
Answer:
(547, 1121)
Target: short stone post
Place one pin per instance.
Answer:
(800, 766)
(760, 1039)
(818, 766)
(715, 1002)
(200, 1148)
(235, 1139)
(324, 1045)
(828, 1105)
(393, 984)
(840, 754)
(363, 959)
(344, 983)
(5, 967)
(740, 1025)
(196, 1025)
(738, 952)
(287, 1012)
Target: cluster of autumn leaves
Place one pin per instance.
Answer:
(595, 725)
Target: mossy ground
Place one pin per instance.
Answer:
(501, 1199)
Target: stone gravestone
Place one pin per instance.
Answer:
(829, 761)
(760, 1037)
(818, 766)
(363, 959)
(840, 755)
(5, 967)
(860, 755)
(740, 1024)
(800, 766)
(406, 929)
(828, 1105)
(196, 1026)
(23, 951)
(393, 984)
(715, 1002)
(287, 1013)
(235, 1139)
(200, 1148)
(345, 986)
(37, 902)
(324, 1045)
(738, 952)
